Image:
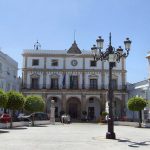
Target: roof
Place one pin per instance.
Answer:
(8, 59)
(64, 52)
(74, 49)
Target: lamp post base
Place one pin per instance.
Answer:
(110, 135)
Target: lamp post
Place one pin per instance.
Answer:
(111, 55)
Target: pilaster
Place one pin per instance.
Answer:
(83, 74)
(123, 73)
(44, 74)
(63, 102)
(83, 102)
(103, 76)
(25, 73)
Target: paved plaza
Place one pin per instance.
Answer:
(75, 136)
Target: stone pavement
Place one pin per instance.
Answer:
(75, 136)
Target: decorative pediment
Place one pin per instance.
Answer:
(114, 76)
(35, 75)
(93, 76)
(54, 76)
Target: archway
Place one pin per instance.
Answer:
(74, 108)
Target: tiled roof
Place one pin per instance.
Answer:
(31, 51)
(74, 49)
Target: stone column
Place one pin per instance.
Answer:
(24, 82)
(123, 73)
(102, 76)
(102, 102)
(63, 102)
(52, 114)
(25, 73)
(83, 75)
(44, 74)
(123, 105)
(83, 104)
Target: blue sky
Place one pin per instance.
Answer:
(53, 22)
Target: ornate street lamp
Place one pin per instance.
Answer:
(112, 56)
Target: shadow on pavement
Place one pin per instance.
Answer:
(134, 144)
(3, 131)
(17, 128)
(39, 126)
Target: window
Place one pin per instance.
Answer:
(114, 83)
(73, 82)
(91, 113)
(93, 63)
(54, 83)
(34, 83)
(54, 62)
(93, 84)
(35, 62)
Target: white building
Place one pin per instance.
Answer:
(74, 80)
(140, 89)
(8, 74)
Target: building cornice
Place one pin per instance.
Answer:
(71, 70)
(87, 55)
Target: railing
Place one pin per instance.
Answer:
(79, 87)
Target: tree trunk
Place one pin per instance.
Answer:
(33, 120)
(140, 118)
(11, 121)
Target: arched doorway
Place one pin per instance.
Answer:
(74, 108)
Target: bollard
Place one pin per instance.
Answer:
(30, 123)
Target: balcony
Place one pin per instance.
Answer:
(80, 87)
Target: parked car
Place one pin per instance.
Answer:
(4, 118)
(37, 116)
(24, 118)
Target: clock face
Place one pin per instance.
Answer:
(74, 62)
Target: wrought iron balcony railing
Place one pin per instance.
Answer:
(79, 87)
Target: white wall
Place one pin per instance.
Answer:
(8, 73)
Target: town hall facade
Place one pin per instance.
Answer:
(74, 80)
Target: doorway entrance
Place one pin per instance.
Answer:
(74, 108)
(91, 113)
